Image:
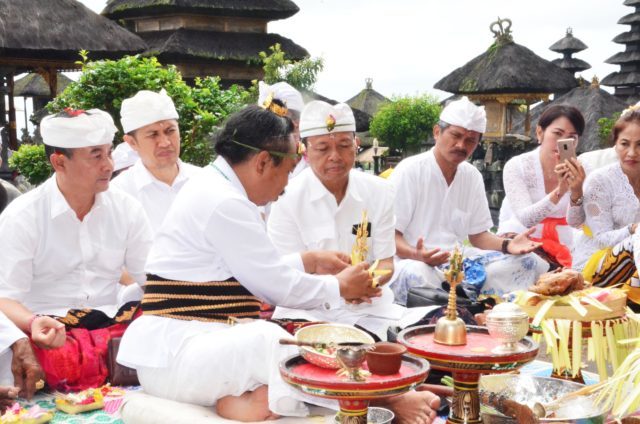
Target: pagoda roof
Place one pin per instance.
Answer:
(571, 64)
(630, 19)
(265, 9)
(199, 44)
(58, 30)
(593, 102)
(507, 67)
(631, 2)
(568, 44)
(622, 78)
(368, 100)
(624, 57)
(627, 37)
(33, 85)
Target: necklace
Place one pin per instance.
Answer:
(220, 171)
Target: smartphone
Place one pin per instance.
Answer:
(567, 148)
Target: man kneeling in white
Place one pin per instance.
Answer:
(440, 201)
(212, 262)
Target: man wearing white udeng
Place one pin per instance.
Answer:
(441, 201)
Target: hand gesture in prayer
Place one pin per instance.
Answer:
(432, 257)
(356, 284)
(522, 244)
(25, 368)
(47, 333)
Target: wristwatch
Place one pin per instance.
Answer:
(577, 202)
(505, 246)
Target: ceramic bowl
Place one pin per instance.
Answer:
(385, 358)
(328, 333)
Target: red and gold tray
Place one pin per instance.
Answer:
(353, 396)
(466, 363)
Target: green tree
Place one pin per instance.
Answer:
(32, 162)
(301, 74)
(405, 122)
(605, 126)
(105, 84)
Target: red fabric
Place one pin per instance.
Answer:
(82, 362)
(551, 242)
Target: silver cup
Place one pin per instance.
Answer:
(508, 323)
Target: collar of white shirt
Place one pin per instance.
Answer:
(59, 204)
(221, 166)
(143, 178)
(317, 190)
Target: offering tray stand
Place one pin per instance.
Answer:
(467, 363)
(353, 396)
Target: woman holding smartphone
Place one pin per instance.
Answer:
(605, 252)
(541, 187)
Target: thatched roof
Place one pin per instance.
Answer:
(593, 102)
(362, 118)
(621, 79)
(33, 85)
(571, 64)
(630, 19)
(632, 2)
(624, 57)
(58, 29)
(568, 44)
(208, 45)
(367, 100)
(267, 9)
(507, 67)
(627, 37)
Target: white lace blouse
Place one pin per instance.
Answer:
(610, 206)
(526, 203)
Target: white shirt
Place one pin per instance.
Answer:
(427, 207)
(9, 333)
(213, 232)
(610, 205)
(54, 262)
(526, 203)
(156, 196)
(307, 217)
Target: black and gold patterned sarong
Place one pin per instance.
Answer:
(214, 301)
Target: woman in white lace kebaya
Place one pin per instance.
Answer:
(539, 189)
(608, 252)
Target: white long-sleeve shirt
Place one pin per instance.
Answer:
(213, 232)
(52, 262)
(526, 202)
(610, 205)
(155, 196)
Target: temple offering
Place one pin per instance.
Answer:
(450, 329)
(360, 250)
(508, 323)
(332, 336)
(19, 415)
(75, 403)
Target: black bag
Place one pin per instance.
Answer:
(119, 375)
(427, 296)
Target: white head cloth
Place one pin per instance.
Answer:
(146, 107)
(124, 156)
(463, 113)
(75, 129)
(319, 118)
(281, 91)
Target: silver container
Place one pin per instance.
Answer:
(508, 323)
(527, 389)
(375, 415)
